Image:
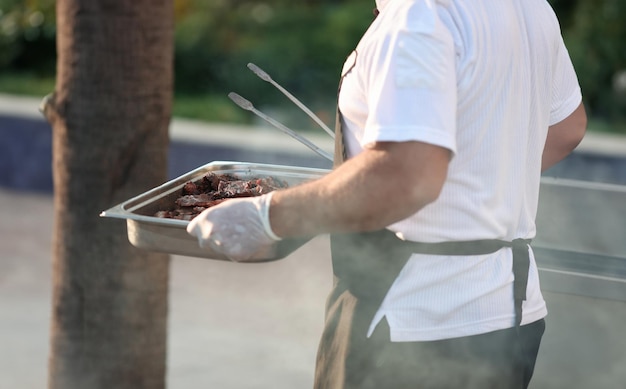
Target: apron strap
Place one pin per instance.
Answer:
(368, 263)
(521, 265)
(521, 261)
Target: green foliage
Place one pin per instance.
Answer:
(597, 44)
(27, 35)
(210, 107)
(302, 45)
(26, 83)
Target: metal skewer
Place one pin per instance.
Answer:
(266, 77)
(247, 105)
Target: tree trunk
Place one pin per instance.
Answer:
(110, 116)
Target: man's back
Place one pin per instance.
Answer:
(512, 83)
(484, 79)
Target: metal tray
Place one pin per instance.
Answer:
(170, 235)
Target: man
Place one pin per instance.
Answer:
(450, 110)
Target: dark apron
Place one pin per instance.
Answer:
(365, 266)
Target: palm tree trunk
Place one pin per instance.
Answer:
(110, 116)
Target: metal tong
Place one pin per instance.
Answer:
(247, 105)
(266, 77)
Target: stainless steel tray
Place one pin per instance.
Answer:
(170, 235)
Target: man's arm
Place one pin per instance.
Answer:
(383, 184)
(563, 137)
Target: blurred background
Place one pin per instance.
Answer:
(228, 323)
(302, 45)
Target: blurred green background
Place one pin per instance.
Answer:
(302, 45)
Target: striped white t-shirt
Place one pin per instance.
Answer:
(484, 79)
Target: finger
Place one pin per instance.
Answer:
(195, 225)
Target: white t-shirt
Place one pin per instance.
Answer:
(483, 79)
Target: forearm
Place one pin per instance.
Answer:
(368, 192)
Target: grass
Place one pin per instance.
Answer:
(218, 108)
(210, 108)
(198, 107)
(26, 84)
(202, 107)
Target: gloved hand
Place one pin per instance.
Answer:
(238, 228)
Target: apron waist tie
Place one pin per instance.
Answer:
(358, 279)
(521, 260)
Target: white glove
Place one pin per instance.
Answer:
(238, 228)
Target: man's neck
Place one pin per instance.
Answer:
(380, 4)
